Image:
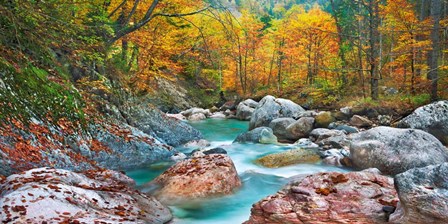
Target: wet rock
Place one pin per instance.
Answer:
(46, 195)
(360, 122)
(432, 118)
(394, 150)
(355, 197)
(218, 115)
(262, 135)
(323, 119)
(198, 177)
(202, 143)
(289, 157)
(197, 117)
(423, 194)
(279, 126)
(270, 108)
(300, 128)
(152, 122)
(245, 109)
(305, 143)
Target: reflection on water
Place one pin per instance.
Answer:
(258, 181)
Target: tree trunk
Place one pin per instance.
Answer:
(433, 56)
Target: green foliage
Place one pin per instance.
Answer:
(417, 100)
(29, 94)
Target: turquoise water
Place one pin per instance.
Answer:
(258, 182)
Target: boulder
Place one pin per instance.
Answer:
(323, 119)
(320, 134)
(229, 105)
(394, 150)
(306, 143)
(218, 115)
(202, 152)
(192, 111)
(197, 117)
(423, 194)
(432, 118)
(152, 122)
(307, 113)
(262, 135)
(360, 122)
(270, 108)
(46, 195)
(300, 128)
(198, 177)
(384, 120)
(176, 116)
(342, 127)
(244, 112)
(334, 157)
(279, 126)
(333, 197)
(289, 157)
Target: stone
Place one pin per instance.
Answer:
(384, 120)
(394, 150)
(334, 156)
(198, 177)
(270, 108)
(360, 122)
(195, 110)
(423, 194)
(432, 118)
(279, 126)
(289, 157)
(346, 110)
(244, 112)
(179, 156)
(320, 134)
(308, 113)
(218, 115)
(342, 127)
(331, 197)
(202, 143)
(153, 122)
(262, 135)
(46, 195)
(300, 128)
(176, 116)
(197, 117)
(323, 119)
(306, 143)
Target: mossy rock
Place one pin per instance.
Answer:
(289, 157)
(323, 119)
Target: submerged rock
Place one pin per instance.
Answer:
(355, 197)
(270, 108)
(262, 135)
(46, 195)
(394, 150)
(423, 194)
(289, 157)
(197, 177)
(432, 118)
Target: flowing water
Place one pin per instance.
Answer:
(258, 182)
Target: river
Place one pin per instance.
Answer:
(258, 182)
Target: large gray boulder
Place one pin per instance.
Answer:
(279, 126)
(47, 195)
(432, 118)
(394, 150)
(270, 108)
(300, 128)
(153, 122)
(423, 194)
(262, 135)
(245, 109)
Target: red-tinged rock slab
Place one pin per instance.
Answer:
(46, 195)
(333, 197)
(197, 177)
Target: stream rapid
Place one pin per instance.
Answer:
(257, 182)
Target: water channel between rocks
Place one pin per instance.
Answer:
(258, 181)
